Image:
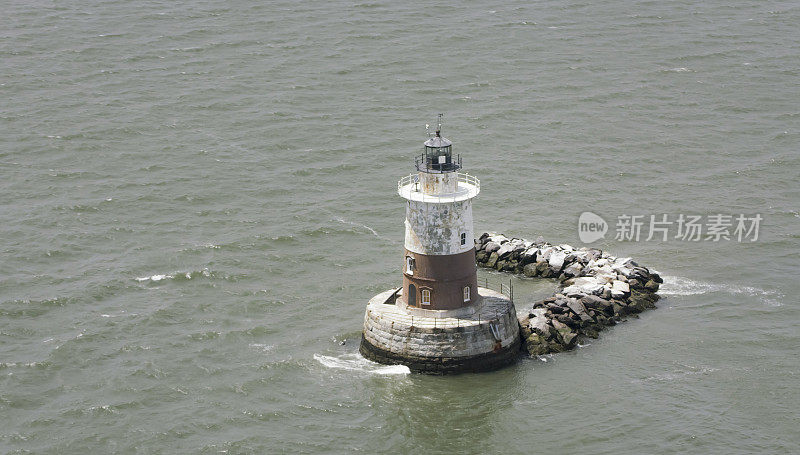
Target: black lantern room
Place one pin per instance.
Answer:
(438, 155)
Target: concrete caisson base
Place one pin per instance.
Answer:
(442, 342)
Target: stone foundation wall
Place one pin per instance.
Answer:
(481, 341)
(444, 365)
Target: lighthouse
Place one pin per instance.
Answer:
(440, 321)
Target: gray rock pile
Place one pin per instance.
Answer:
(597, 289)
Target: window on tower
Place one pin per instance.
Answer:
(426, 296)
(466, 293)
(463, 238)
(409, 265)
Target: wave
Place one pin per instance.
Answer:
(354, 362)
(687, 372)
(676, 285)
(190, 275)
(154, 278)
(44, 364)
(353, 223)
(262, 346)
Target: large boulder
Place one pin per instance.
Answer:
(556, 260)
(505, 250)
(565, 334)
(581, 256)
(492, 260)
(545, 252)
(596, 303)
(537, 345)
(529, 255)
(641, 274)
(619, 289)
(491, 247)
(577, 307)
(590, 331)
(656, 277)
(573, 270)
(543, 269)
(584, 286)
(623, 266)
(619, 308)
(519, 248)
(642, 300)
(651, 286)
(498, 238)
(538, 322)
(524, 329)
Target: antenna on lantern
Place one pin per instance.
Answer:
(438, 156)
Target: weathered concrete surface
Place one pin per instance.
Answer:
(435, 229)
(438, 212)
(484, 340)
(438, 183)
(597, 289)
(488, 361)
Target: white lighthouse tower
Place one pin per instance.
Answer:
(440, 321)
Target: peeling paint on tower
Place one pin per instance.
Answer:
(437, 228)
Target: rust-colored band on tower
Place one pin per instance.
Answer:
(438, 282)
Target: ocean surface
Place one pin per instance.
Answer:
(197, 199)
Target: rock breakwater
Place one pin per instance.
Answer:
(596, 289)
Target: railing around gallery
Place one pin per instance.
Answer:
(430, 164)
(412, 181)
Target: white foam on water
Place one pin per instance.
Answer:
(352, 223)
(154, 278)
(262, 346)
(676, 285)
(23, 364)
(354, 362)
(677, 375)
(168, 276)
(116, 315)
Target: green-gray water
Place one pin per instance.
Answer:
(198, 198)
